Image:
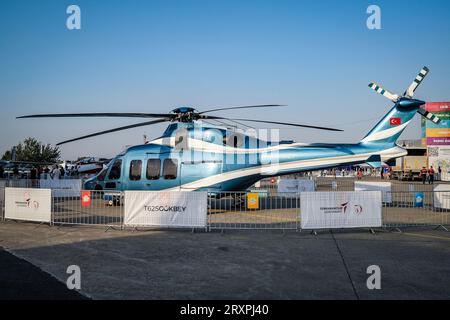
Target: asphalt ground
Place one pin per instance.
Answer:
(125, 264)
(20, 280)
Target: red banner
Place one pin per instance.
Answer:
(86, 198)
(437, 106)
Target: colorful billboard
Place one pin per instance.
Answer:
(437, 134)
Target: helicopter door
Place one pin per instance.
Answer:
(162, 171)
(193, 171)
(152, 172)
(114, 179)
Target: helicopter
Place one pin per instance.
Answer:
(195, 155)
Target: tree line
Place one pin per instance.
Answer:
(32, 150)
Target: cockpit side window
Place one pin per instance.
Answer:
(116, 169)
(170, 169)
(135, 170)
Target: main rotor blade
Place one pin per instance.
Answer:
(115, 130)
(245, 107)
(101, 114)
(417, 81)
(391, 96)
(274, 122)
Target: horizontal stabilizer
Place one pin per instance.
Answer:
(374, 161)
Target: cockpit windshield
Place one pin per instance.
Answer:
(102, 174)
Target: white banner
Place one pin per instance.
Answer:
(166, 209)
(2, 192)
(63, 187)
(442, 196)
(330, 210)
(384, 187)
(295, 185)
(28, 204)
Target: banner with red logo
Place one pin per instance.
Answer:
(28, 204)
(165, 209)
(337, 210)
(85, 198)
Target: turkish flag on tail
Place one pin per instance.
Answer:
(395, 121)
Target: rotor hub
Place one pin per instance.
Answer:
(184, 114)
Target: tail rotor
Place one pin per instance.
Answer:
(406, 100)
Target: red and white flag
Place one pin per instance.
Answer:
(395, 121)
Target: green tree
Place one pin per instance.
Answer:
(32, 150)
(7, 156)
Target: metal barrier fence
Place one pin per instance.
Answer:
(348, 184)
(404, 211)
(105, 208)
(231, 210)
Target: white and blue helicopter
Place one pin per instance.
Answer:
(192, 156)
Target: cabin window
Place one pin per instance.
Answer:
(116, 168)
(135, 170)
(170, 169)
(234, 140)
(153, 169)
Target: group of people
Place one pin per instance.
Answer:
(429, 174)
(54, 172)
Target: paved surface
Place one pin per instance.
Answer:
(20, 279)
(234, 265)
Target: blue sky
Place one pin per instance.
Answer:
(152, 56)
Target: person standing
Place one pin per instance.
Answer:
(56, 173)
(431, 175)
(62, 172)
(439, 173)
(33, 177)
(423, 174)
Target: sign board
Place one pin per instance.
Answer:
(252, 201)
(439, 157)
(165, 209)
(85, 198)
(442, 196)
(28, 204)
(331, 210)
(384, 187)
(62, 187)
(437, 134)
(418, 203)
(295, 185)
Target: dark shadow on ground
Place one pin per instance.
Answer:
(20, 280)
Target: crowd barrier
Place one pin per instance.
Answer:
(247, 210)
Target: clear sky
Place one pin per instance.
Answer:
(151, 56)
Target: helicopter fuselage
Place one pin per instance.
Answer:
(188, 158)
